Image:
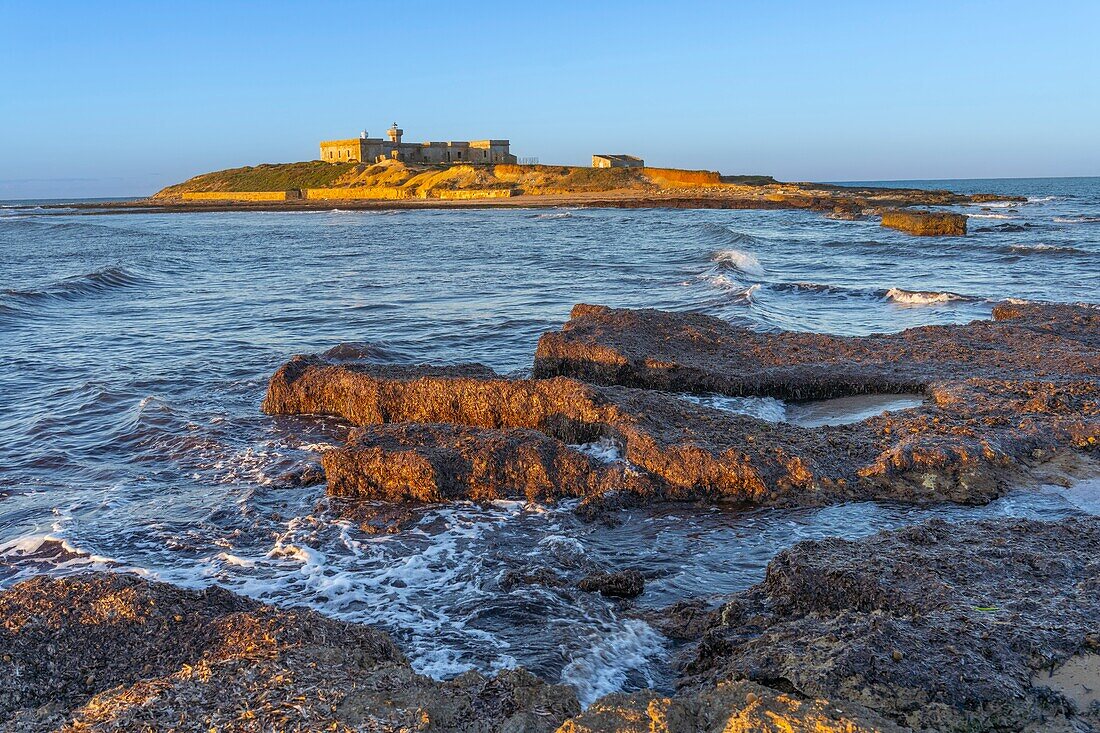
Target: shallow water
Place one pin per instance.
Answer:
(137, 349)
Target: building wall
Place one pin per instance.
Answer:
(360, 192)
(235, 196)
(370, 150)
(341, 151)
(603, 161)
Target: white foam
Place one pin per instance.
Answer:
(919, 297)
(611, 657)
(744, 261)
(762, 408)
(1042, 248)
(604, 449)
(990, 216)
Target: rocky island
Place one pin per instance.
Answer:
(397, 184)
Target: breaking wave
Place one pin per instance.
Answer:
(1077, 219)
(1043, 249)
(76, 287)
(922, 297)
(615, 655)
(739, 260)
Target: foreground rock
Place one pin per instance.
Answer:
(1003, 395)
(926, 223)
(105, 652)
(730, 707)
(979, 626)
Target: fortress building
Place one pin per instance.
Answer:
(366, 149)
(617, 160)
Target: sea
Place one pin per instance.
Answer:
(137, 347)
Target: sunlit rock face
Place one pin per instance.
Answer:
(1002, 395)
(926, 223)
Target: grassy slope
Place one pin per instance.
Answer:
(266, 177)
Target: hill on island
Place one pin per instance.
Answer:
(431, 181)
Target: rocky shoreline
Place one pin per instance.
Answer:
(976, 626)
(840, 202)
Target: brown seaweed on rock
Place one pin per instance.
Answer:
(1003, 394)
(108, 652)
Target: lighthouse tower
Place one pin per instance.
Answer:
(395, 134)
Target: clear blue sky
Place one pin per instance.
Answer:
(121, 98)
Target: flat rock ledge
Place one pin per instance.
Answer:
(977, 626)
(600, 420)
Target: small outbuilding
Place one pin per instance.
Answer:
(617, 161)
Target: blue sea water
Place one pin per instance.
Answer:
(137, 349)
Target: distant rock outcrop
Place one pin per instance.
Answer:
(926, 223)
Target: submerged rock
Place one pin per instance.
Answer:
(926, 223)
(107, 652)
(938, 627)
(623, 584)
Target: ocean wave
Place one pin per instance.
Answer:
(1010, 228)
(733, 289)
(738, 259)
(1077, 219)
(990, 216)
(80, 286)
(554, 215)
(613, 657)
(810, 287)
(1043, 249)
(762, 408)
(923, 297)
(721, 233)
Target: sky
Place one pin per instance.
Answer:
(121, 98)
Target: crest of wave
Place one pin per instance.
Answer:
(738, 259)
(917, 297)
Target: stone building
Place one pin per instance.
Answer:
(617, 161)
(366, 149)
